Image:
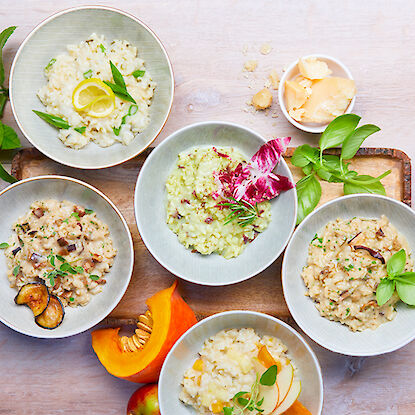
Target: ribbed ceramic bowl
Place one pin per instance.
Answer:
(338, 68)
(333, 335)
(185, 352)
(15, 201)
(50, 38)
(151, 200)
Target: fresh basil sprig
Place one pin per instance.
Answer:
(403, 282)
(119, 88)
(342, 132)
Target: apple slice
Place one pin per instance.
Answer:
(271, 394)
(284, 381)
(291, 397)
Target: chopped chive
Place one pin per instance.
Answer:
(88, 74)
(102, 47)
(80, 130)
(51, 62)
(138, 73)
(132, 110)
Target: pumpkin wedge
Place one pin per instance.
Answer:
(171, 317)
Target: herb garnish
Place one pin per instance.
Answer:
(51, 62)
(131, 111)
(102, 47)
(138, 73)
(53, 120)
(403, 282)
(16, 270)
(88, 74)
(94, 277)
(241, 210)
(4, 245)
(88, 211)
(119, 88)
(341, 131)
(80, 130)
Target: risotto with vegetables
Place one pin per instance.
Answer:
(346, 261)
(63, 245)
(97, 91)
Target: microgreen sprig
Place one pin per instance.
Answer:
(241, 210)
(403, 282)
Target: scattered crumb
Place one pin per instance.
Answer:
(274, 114)
(262, 99)
(245, 50)
(267, 84)
(266, 48)
(274, 79)
(250, 66)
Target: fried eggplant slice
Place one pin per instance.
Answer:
(53, 315)
(35, 295)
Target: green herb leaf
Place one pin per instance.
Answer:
(60, 258)
(120, 92)
(51, 260)
(16, 270)
(51, 62)
(3, 100)
(405, 287)
(79, 269)
(138, 73)
(80, 130)
(396, 263)
(116, 130)
(308, 194)
(53, 120)
(4, 245)
(4, 35)
(269, 377)
(227, 411)
(259, 403)
(102, 47)
(118, 78)
(10, 138)
(71, 299)
(88, 74)
(304, 155)
(338, 130)
(66, 267)
(308, 169)
(132, 110)
(6, 176)
(75, 215)
(355, 140)
(374, 188)
(384, 291)
(94, 277)
(89, 211)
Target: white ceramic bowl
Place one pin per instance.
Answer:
(50, 38)
(338, 68)
(151, 199)
(15, 201)
(185, 352)
(333, 335)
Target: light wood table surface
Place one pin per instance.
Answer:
(208, 42)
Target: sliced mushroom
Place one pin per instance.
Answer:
(345, 294)
(15, 251)
(372, 252)
(79, 211)
(62, 242)
(38, 212)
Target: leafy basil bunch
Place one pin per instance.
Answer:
(403, 282)
(343, 132)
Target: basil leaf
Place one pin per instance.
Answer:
(304, 155)
(4, 245)
(120, 92)
(6, 176)
(338, 130)
(4, 35)
(307, 169)
(355, 140)
(3, 100)
(118, 78)
(308, 195)
(138, 73)
(10, 138)
(269, 377)
(396, 263)
(330, 169)
(80, 130)
(406, 290)
(385, 290)
(374, 188)
(53, 120)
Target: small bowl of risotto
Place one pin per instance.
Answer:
(91, 87)
(66, 256)
(347, 275)
(215, 203)
(241, 359)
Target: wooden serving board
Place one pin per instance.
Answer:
(261, 293)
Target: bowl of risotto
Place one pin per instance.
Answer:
(66, 256)
(335, 270)
(215, 203)
(91, 87)
(222, 357)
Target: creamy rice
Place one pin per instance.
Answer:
(342, 280)
(94, 54)
(193, 214)
(61, 229)
(227, 363)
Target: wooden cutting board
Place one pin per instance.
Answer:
(261, 293)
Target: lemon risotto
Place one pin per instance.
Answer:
(228, 363)
(345, 264)
(64, 245)
(90, 59)
(199, 219)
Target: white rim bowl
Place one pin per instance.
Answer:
(20, 318)
(338, 68)
(333, 335)
(23, 96)
(163, 244)
(185, 351)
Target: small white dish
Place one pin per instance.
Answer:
(15, 201)
(50, 38)
(185, 352)
(151, 200)
(338, 68)
(333, 335)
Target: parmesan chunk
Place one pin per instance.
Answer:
(295, 95)
(312, 68)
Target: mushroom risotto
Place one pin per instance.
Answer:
(345, 264)
(63, 244)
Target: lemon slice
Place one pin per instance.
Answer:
(101, 107)
(89, 91)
